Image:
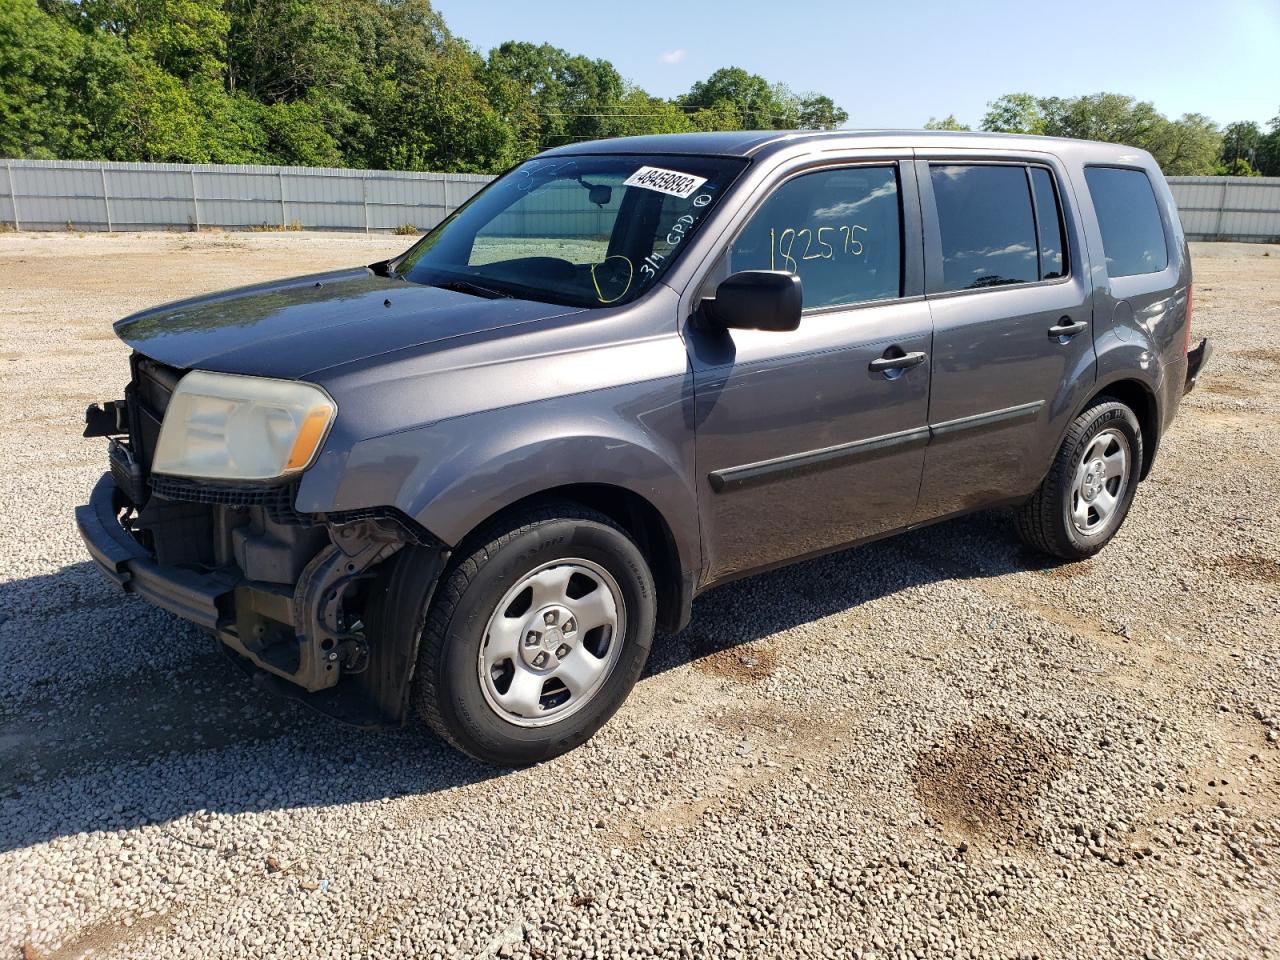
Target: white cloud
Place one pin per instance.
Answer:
(848, 208)
(673, 56)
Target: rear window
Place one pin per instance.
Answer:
(1132, 233)
(987, 225)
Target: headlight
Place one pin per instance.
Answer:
(224, 427)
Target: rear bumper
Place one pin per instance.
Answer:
(204, 599)
(1196, 360)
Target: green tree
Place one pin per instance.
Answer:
(1014, 113)
(41, 115)
(1240, 141)
(328, 82)
(639, 113)
(721, 115)
(148, 114)
(949, 122)
(754, 102)
(571, 97)
(1188, 145)
(180, 37)
(1268, 156)
(430, 107)
(816, 111)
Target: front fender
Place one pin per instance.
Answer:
(453, 475)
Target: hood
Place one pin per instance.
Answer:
(294, 328)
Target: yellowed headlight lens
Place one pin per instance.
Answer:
(221, 426)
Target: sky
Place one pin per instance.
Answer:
(898, 64)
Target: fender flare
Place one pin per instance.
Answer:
(1151, 430)
(487, 478)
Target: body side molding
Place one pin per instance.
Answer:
(734, 478)
(763, 471)
(992, 418)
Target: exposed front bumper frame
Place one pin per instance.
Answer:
(184, 593)
(376, 696)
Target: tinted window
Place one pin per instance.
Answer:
(840, 230)
(1050, 224)
(988, 231)
(1132, 234)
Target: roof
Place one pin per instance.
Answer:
(752, 143)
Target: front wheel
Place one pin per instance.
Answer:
(536, 636)
(1090, 487)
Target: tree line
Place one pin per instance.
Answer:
(357, 83)
(385, 84)
(1191, 145)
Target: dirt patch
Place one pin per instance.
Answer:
(1248, 566)
(983, 781)
(1224, 388)
(1266, 355)
(1067, 571)
(749, 663)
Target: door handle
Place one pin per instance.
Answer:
(902, 362)
(1065, 329)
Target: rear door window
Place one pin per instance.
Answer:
(1132, 234)
(840, 230)
(987, 226)
(1049, 225)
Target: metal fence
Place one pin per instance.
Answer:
(1229, 208)
(87, 195)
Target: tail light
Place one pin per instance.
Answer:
(1186, 343)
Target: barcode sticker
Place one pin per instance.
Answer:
(671, 182)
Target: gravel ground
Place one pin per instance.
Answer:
(938, 745)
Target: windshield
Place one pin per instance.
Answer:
(583, 231)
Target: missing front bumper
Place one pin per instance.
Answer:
(301, 636)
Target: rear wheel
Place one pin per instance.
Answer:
(1090, 487)
(536, 636)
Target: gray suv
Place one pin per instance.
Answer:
(474, 480)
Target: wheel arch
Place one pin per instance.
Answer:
(641, 520)
(1140, 397)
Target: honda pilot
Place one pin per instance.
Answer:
(471, 482)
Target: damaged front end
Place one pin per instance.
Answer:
(291, 594)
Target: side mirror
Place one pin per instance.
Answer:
(757, 300)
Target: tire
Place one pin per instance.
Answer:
(1064, 517)
(561, 550)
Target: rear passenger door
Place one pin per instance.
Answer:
(1012, 346)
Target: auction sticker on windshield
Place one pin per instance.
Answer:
(671, 182)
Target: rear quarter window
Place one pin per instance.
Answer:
(1133, 238)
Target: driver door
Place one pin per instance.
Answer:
(805, 440)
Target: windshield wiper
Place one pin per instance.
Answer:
(471, 287)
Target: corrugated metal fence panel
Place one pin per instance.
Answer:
(1228, 208)
(6, 197)
(58, 195)
(560, 208)
(86, 195)
(140, 199)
